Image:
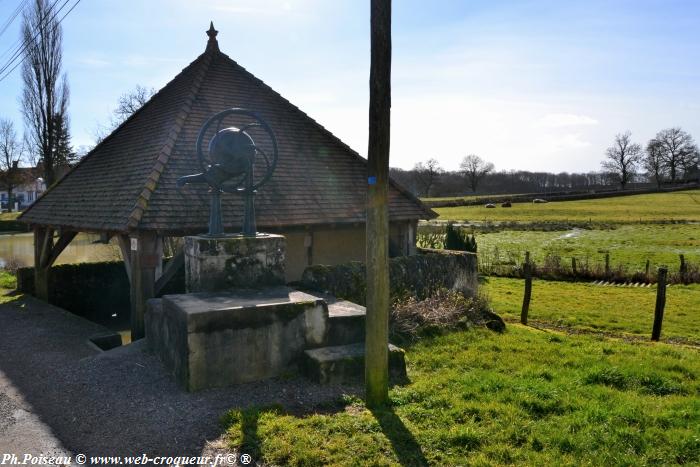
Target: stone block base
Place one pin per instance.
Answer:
(345, 364)
(233, 262)
(220, 339)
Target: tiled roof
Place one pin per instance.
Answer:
(128, 182)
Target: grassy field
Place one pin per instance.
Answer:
(608, 308)
(681, 205)
(523, 397)
(630, 245)
(465, 198)
(9, 216)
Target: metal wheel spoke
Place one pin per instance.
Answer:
(250, 125)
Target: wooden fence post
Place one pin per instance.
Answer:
(660, 304)
(646, 269)
(607, 265)
(683, 270)
(527, 270)
(573, 266)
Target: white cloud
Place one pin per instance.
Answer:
(92, 62)
(261, 8)
(558, 120)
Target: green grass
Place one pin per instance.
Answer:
(608, 308)
(681, 205)
(9, 216)
(630, 245)
(7, 280)
(524, 397)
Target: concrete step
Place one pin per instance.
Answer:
(346, 322)
(343, 364)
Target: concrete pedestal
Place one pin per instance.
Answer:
(219, 339)
(234, 262)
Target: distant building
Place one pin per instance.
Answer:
(26, 192)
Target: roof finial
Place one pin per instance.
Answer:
(212, 43)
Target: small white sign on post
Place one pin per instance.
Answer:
(134, 244)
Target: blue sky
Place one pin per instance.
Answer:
(537, 85)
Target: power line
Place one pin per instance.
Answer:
(12, 17)
(19, 43)
(21, 48)
(16, 58)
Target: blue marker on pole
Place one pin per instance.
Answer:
(372, 180)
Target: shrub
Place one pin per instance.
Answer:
(444, 311)
(456, 239)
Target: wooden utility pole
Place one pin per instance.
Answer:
(660, 304)
(377, 336)
(527, 272)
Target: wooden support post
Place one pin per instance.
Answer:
(45, 254)
(173, 265)
(646, 269)
(377, 235)
(607, 265)
(43, 240)
(64, 240)
(309, 245)
(125, 248)
(660, 304)
(145, 260)
(527, 272)
(573, 266)
(412, 232)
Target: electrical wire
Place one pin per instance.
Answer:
(17, 58)
(13, 16)
(16, 46)
(21, 48)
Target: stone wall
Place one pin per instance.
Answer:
(418, 275)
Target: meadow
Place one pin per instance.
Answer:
(657, 207)
(630, 245)
(527, 396)
(585, 306)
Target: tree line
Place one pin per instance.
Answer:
(670, 157)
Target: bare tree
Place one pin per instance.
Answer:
(678, 150)
(622, 158)
(127, 105)
(10, 157)
(45, 93)
(474, 169)
(690, 164)
(132, 101)
(653, 162)
(426, 174)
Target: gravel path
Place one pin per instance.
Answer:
(119, 402)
